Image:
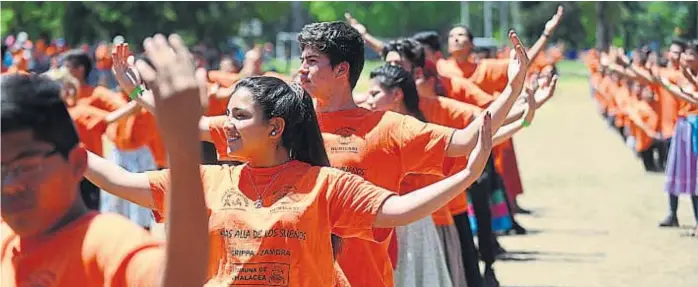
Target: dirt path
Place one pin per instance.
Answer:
(595, 209)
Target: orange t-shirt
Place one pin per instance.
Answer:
(131, 132)
(621, 97)
(216, 105)
(157, 149)
(94, 250)
(668, 104)
(464, 90)
(488, 74)
(90, 125)
(287, 241)
(651, 119)
(450, 113)
(360, 141)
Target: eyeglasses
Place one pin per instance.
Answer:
(25, 167)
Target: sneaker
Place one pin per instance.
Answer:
(670, 221)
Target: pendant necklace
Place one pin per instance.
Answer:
(259, 203)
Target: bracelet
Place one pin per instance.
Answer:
(136, 92)
(546, 35)
(525, 123)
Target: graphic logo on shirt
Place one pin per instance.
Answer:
(285, 195)
(232, 199)
(261, 274)
(41, 278)
(347, 144)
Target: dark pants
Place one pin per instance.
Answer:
(663, 150)
(480, 193)
(90, 194)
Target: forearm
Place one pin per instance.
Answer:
(114, 179)
(399, 210)
(187, 218)
(507, 131)
(127, 110)
(464, 140)
(537, 47)
(678, 93)
(373, 43)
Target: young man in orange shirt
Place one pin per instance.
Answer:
(50, 238)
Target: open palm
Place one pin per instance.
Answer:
(124, 70)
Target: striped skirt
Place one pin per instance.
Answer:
(682, 162)
(501, 220)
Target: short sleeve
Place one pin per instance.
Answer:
(422, 146)
(124, 253)
(353, 205)
(217, 130)
(466, 91)
(159, 181)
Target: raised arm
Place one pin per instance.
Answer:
(464, 140)
(177, 93)
(400, 210)
(679, 93)
(509, 130)
(127, 110)
(550, 27)
(371, 42)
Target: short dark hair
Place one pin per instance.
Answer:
(339, 42)
(679, 42)
(692, 45)
(78, 58)
(468, 32)
(33, 102)
(429, 39)
(407, 48)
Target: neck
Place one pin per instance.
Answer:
(335, 101)
(279, 157)
(401, 109)
(77, 210)
(460, 57)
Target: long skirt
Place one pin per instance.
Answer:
(454, 259)
(682, 162)
(138, 160)
(421, 259)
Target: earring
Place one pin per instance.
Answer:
(273, 133)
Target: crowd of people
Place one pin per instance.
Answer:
(651, 100)
(279, 180)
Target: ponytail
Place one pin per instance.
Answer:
(391, 77)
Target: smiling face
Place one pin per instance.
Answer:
(247, 131)
(38, 185)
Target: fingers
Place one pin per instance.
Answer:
(179, 47)
(486, 132)
(201, 79)
(147, 73)
(349, 18)
(518, 48)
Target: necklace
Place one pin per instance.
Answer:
(258, 203)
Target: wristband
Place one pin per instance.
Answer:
(546, 35)
(525, 124)
(136, 92)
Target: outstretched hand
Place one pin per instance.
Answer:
(179, 89)
(355, 24)
(123, 68)
(552, 24)
(518, 61)
(477, 160)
